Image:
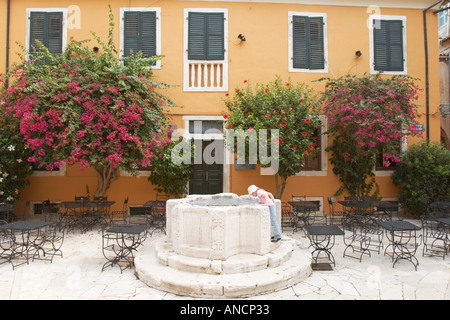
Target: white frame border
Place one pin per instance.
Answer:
(227, 153)
(185, 53)
(64, 25)
(372, 47)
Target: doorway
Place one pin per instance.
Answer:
(207, 177)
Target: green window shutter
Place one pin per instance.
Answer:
(388, 45)
(54, 32)
(316, 46)
(140, 33)
(300, 42)
(47, 28)
(308, 42)
(131, 33)
(205, 36)
(215, 36)
(148, 33)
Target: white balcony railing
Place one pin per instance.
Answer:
(205, 76)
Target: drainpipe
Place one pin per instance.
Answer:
(427, 84)
(8, 14)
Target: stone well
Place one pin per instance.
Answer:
(218, 246)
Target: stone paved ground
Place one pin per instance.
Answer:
(78, 276)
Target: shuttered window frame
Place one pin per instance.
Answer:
(291, 15)
(157, 11)
(187, 62)
(372, 18)
(46, 10)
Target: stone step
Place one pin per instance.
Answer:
(239, 263)
(283, 273)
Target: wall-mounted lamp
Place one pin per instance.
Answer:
(241, 36)
(358, 54)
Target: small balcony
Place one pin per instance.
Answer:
(205, 76)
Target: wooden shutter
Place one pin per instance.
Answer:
(308, 42)
(47, 28)
(148, 33)
(197, 36)
(215, 36)
(140, 33)
(388, 45)
(300, 42)
(205, 36)
(316, 46)
(54, 32)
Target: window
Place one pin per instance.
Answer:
(443, 17)
(388, 45)
(205, 44)
(307, 42)
(313, 162)
(316, 163)
(206, 36)
(48, 27)
(140, 32)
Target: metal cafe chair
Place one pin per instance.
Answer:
(121, 216)
(356, 238)
(335, 216)
(52, 241)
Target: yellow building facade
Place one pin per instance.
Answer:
(201, 83)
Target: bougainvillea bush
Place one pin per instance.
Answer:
(367, 116)
(291, 108)
(96, 109)
(14, 167)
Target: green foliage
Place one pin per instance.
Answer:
(168, 176)
(291, 108)
(14, 167)
(424, 176)
(96, 109)
(368, 116)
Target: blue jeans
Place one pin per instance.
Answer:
(273, 220)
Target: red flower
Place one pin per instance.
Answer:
(250, 128)
(281, 139)
(306, 120)
(305, 134)
(295, 146)
(245, 81)
(287, 84)
(237, 90)
(306, 152)
(227, 94)
(311, 147)
(267, 115)
(266, 91)
(230, 126)
(225, 116)
(283, 123)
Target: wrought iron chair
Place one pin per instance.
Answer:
(23, 216)
(434, 234)
(335, 216)
(357, 238)
(158, 217)
(118, 217)
(52, 241)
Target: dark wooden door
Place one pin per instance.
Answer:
(208, 178)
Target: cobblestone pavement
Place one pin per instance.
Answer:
(78, 275)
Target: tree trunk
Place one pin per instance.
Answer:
(279, 185)
(105, 176)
